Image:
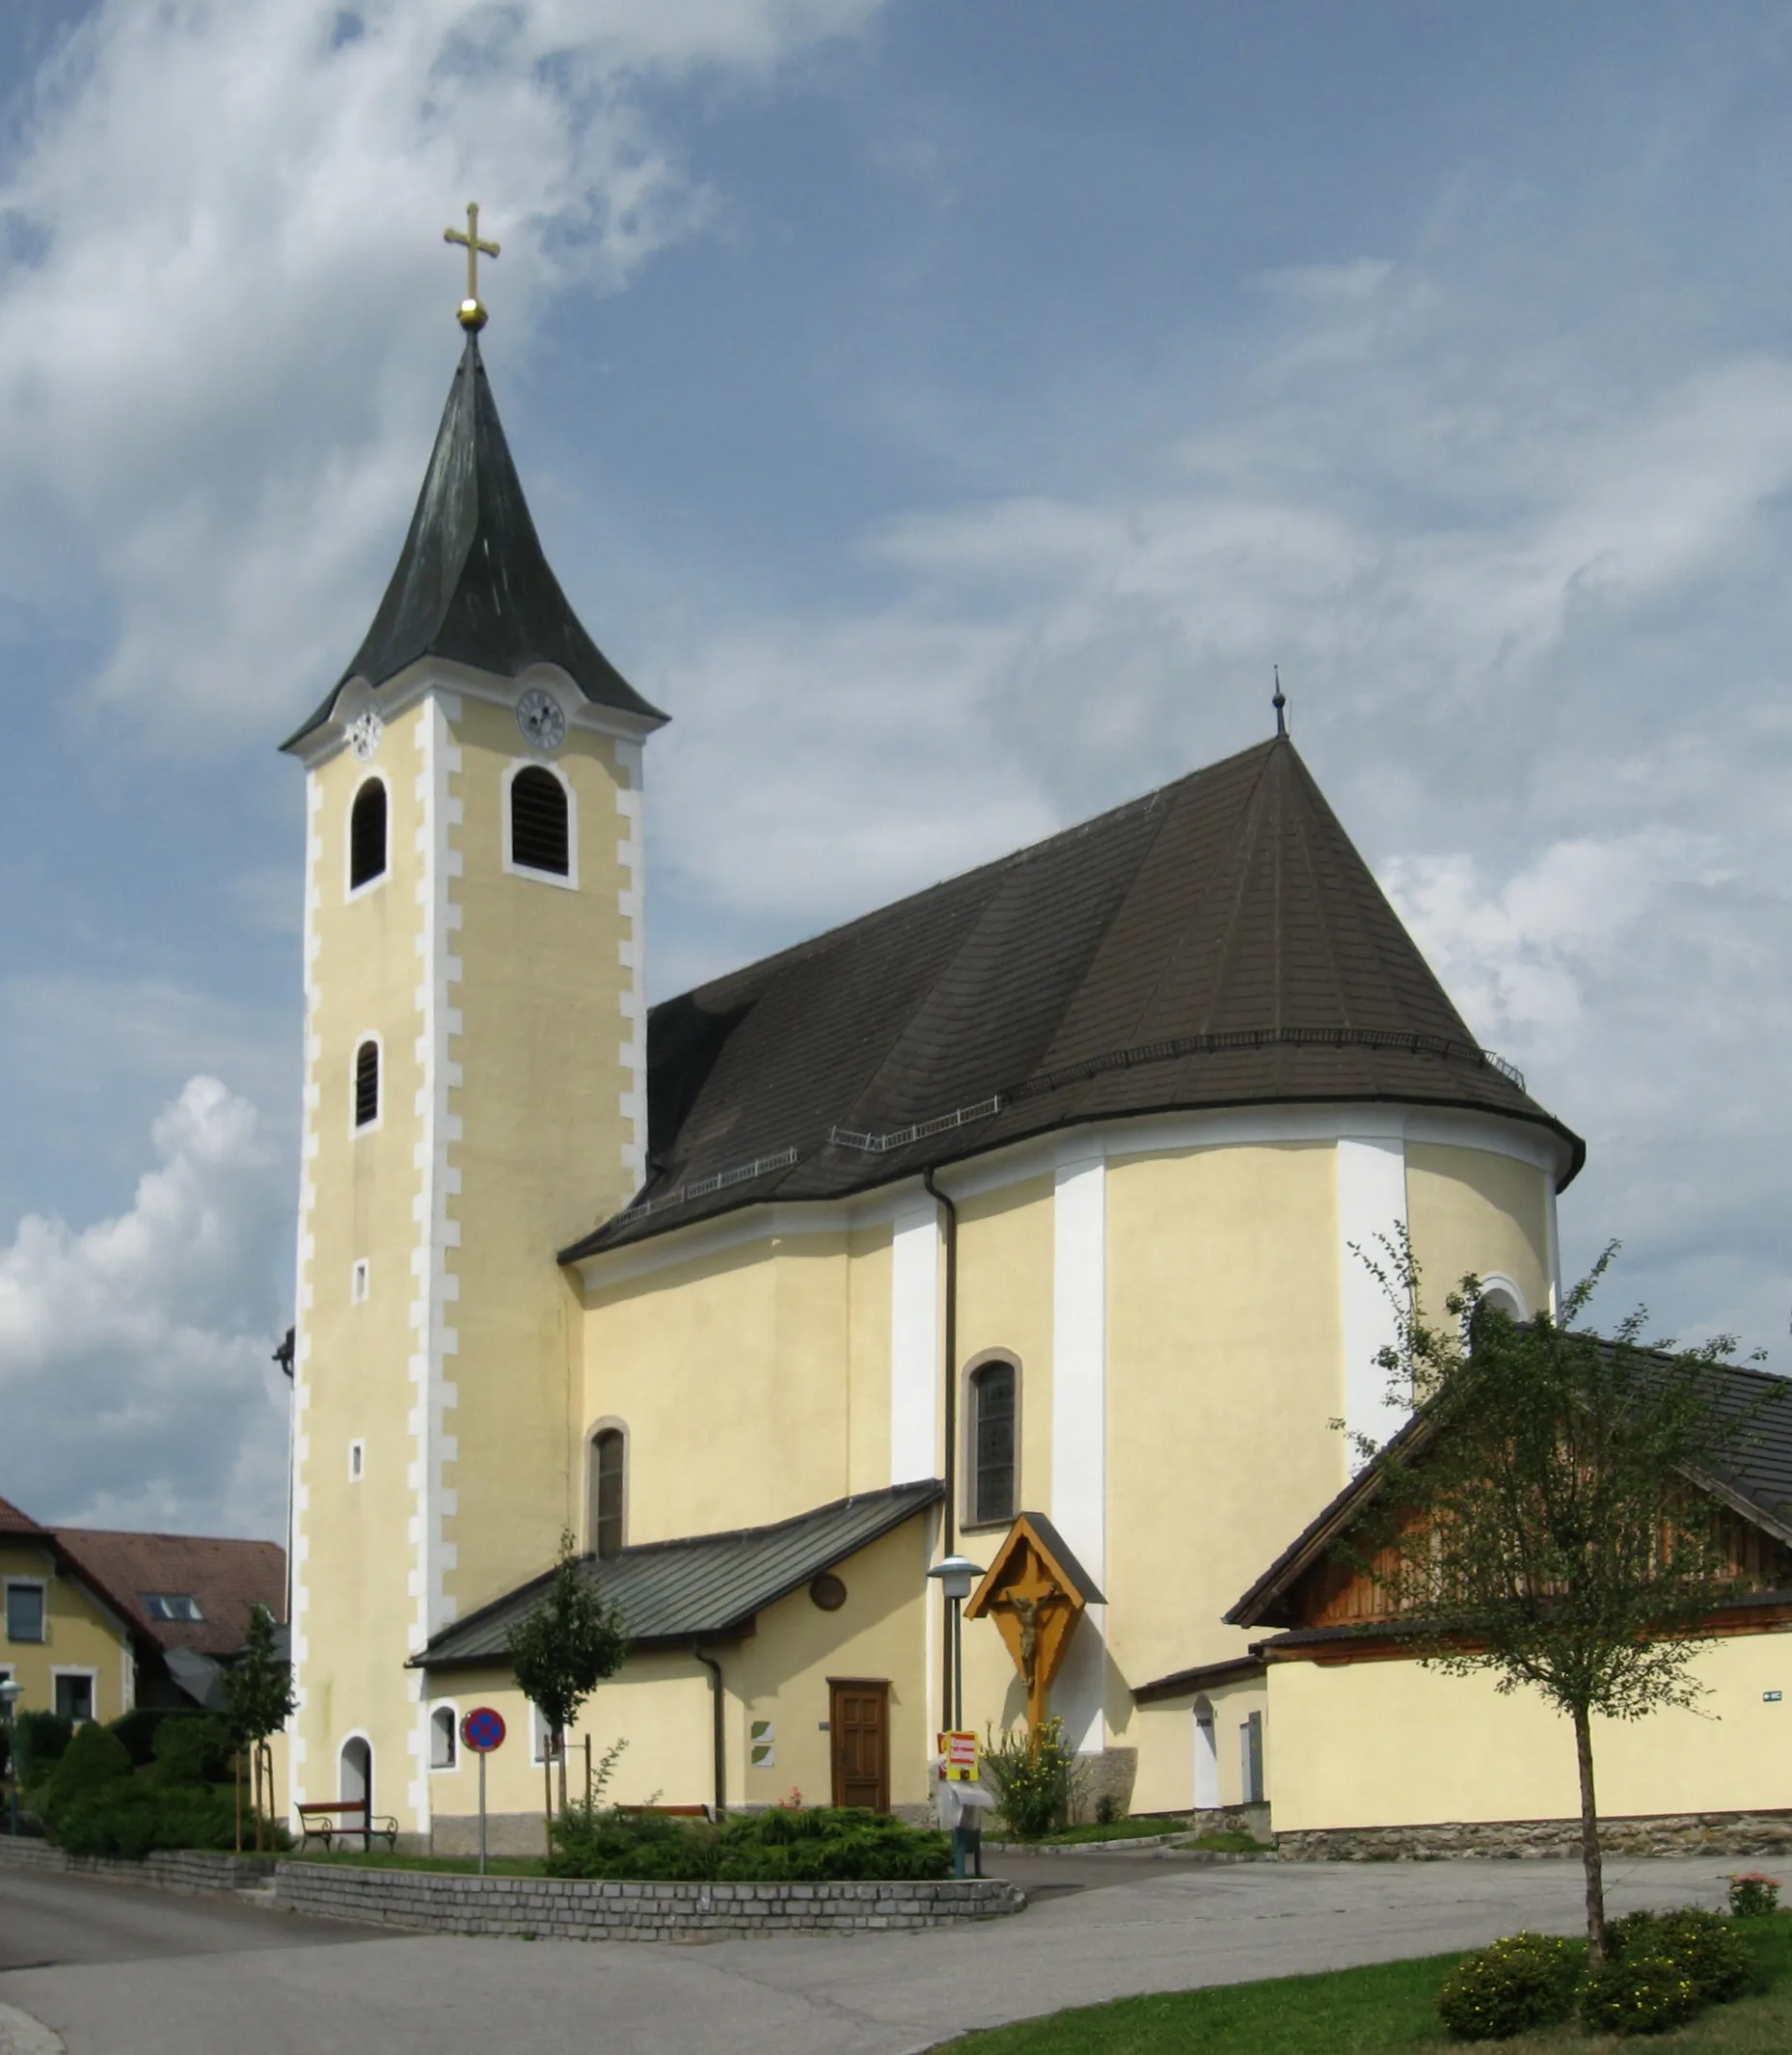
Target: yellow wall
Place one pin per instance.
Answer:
(80, 1633)
(1163, 1731)
(1472, 1211)
(1005, 1258)
(1391, 1745)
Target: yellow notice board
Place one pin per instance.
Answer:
(963, 1760)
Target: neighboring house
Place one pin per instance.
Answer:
(98, 1621)
(1370, 1748)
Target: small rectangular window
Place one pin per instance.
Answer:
(75, 1697)
(24, 1612)
(358, 1283)
(357, 1460)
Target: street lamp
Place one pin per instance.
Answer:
(958, 1578)
(9, 1694)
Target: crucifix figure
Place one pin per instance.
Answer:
(472, 313)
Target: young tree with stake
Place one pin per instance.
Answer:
(1543, 1516)
(564, 1647)
(257, 1701)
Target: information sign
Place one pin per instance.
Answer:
(962, 1758)
(483, 1729)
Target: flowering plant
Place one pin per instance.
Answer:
(1752, 1893)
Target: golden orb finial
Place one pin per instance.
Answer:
(472, 316)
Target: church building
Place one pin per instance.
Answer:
(1017, 1220)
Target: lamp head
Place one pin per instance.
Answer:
(958, 1576)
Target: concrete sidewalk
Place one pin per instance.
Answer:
(1147, 1925)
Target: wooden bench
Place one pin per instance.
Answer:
(664, 1812)
(321, 1823)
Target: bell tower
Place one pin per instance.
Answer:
(475, 1094)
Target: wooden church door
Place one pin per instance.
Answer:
(859, 1729)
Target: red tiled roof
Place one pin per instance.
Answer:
(226, 1577)
(15, 1522)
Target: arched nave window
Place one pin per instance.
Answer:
(367, 834)
(994, 1393)
(367, 1083)
(609, 1491)
(540, 823)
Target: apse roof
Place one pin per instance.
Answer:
(1218, 942)
(472, 583)
(703, 1586)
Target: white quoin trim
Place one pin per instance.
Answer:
(1371, 1206)
(298, 1490)
(1079, 1428)
(631, 958)
(915, 1341)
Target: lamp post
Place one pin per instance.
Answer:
(9, 1691)
(958, 1577)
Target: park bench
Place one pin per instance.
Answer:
(344, 1817)
(664, 1812)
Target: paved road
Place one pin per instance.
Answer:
(125, 1972)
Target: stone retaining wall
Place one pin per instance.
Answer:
(1696, 1833)
(169, 1869)
(574, 1909)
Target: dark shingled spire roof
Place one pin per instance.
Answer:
(1217, 943)
(472, 584)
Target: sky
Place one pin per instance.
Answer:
(949, 415)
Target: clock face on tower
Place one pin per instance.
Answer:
(538, 715)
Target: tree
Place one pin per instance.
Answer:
(1541, 1517)
(257, 1701)
(564, 1647)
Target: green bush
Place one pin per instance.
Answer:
(193, 1749)
(1638, 1994)
(39, 1741)
(798, 1845)
(1526, 1979)
(131, 1818)
(1754, 1895)
(1034, 1777)
(1701, 1945)
(92, 1760)
(136, 1729)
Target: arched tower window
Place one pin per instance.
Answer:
(367, 1083)
(989, 1442)
(367, 834)
(540, 828)
(609, 1489)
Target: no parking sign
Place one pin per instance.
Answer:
(482, 1730)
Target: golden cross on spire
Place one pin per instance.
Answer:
(472, 313)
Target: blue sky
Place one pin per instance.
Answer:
(948, 414)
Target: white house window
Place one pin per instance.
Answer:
(74, 1694)
(179, 1606)
(442, 1740)
(25, 1612)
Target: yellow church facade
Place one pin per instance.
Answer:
(1051, 1192)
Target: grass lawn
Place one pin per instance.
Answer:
(1366, 2012)
(457, 1865)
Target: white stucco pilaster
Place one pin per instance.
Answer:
(1372, 1209)
(914, 1340)
(632, 905)
(1079, 1427)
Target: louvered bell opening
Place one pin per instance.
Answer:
(367, 834)
(367, 1084)
(538, 824)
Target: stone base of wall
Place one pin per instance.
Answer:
(1252, 1819)
(1105, 1773)
(1693, 1833)
(189, 1870)
(572, 1908)
(506, 1834)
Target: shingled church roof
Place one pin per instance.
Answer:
(472, 583)
(1217, 943)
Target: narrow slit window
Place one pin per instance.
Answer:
(367, 834)
(367, 1084)
(608, 1480)
(541, 829)
(993, 1395)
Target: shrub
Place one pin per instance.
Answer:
(813, 1845)
(129, 1819)
(94, 1759)
(1034, 1775)
(193, 1749)
(1637, 1995)
(39, 1741)
(1107, 1809)
(1700, 1945)
(136, 1729)
(1526, 1979)
(1752, 1895)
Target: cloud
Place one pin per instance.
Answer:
(137, 1349)
(209, 387)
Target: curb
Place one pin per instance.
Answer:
(22, 2035)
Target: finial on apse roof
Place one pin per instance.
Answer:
(1280, 703)
(472, 316)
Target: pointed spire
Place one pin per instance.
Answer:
(471, 582)
(1280, 703)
